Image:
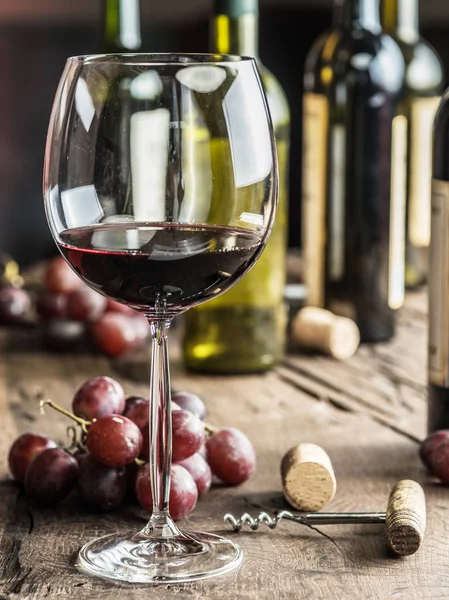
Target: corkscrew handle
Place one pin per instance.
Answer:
(406, 517)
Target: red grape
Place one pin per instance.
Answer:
(200, 471)
(14, 305)
(188, 434)
(114, 334)
(137, 409)
(434, 452)
(190, 402)
(114, 440)
(97, 397)
(183, 491)
(51, 476)
(231, 456)
(85, 304)
(61, 334)
(52, 306)
(145, 452)
(113, 306)
(80, 455)
(24, 450)
(101, 487)
(59, 277)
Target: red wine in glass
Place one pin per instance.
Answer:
(172, 265)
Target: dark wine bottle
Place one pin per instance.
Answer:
(354, 171)
(423, 87)
(121, 32)
(438, 400)
(244, 330)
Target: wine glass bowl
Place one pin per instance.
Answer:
(160, 188)
(164, 156)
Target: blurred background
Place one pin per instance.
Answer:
(37, 36)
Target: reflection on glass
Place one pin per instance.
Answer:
(84, 104)
(149, 160)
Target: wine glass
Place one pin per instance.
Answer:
(160, 189)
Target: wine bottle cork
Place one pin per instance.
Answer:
(318, 329)
(406, 517)
(308, 479)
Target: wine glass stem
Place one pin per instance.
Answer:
(160, 431)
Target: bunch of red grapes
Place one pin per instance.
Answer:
(109, 463)
(71, 312)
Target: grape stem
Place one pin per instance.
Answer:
(209, 430)
(82, 422)
(75, 443)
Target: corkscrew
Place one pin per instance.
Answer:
(405, 518)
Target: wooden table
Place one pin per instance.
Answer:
(368, 413)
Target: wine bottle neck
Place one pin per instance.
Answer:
(121, 25)
(358, 14)
(235, 27)
(401, 18)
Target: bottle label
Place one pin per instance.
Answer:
(337, 204)
(438, 285)
(315, 127)
(421, 122)
(396, 275)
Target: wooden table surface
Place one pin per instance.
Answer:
(368, 413)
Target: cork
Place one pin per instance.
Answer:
(318, 329)
(308, 479)
(406, 517)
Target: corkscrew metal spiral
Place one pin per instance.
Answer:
(254, 522)
(272, 521)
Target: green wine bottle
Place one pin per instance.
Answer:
(121, 31)
(423, 86)
(244, 329)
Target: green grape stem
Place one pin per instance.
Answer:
(82, 422)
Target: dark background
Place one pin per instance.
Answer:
(37, 35)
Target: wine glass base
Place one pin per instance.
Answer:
(139, 559)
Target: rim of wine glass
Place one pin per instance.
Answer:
(163, 58)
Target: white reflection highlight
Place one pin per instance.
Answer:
(130, 24)
(387, 68)
(81, 206)
(113, 240)
(249, 136)
(84, 104)
(149, 158)
(251, 219)
(362, 60)
(202, 78)
(146, 86)
(53, 212)
(196, 164)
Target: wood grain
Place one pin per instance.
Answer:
(367, 414)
